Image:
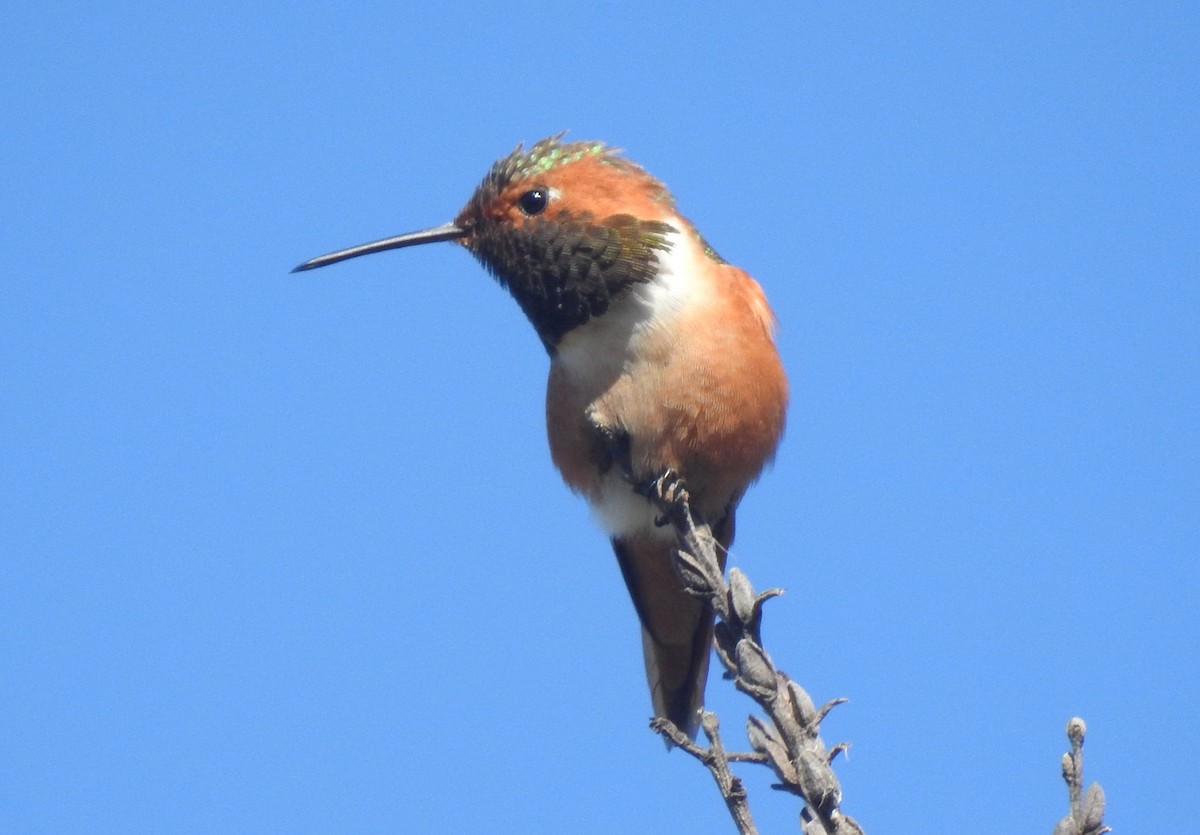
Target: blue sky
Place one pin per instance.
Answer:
(287, 552)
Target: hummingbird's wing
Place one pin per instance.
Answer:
(677, 628)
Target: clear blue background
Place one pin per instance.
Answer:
(287, 553)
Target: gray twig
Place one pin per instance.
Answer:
(788, 739)
(1087, 810)
(716, 761)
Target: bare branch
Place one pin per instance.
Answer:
(789, 738)
(716, 761)
(1087, 810)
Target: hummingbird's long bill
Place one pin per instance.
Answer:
(445, 232)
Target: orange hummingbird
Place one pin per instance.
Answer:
(662, 355)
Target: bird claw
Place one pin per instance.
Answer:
(666, 491)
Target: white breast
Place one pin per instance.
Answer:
(596, 355)
(607, 346)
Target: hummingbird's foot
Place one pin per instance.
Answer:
(668, 493)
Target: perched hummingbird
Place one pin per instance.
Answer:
(662, 355)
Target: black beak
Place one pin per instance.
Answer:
(445, 232)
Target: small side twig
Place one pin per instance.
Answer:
(789, 738)
(716, 761)
(1087, 810)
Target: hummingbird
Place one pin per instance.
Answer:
(662, 357)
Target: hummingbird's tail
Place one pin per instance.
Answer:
(677, 674)
(677, 628)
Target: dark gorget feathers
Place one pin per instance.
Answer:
(566, 271)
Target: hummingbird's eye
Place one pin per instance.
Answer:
(533, 202)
